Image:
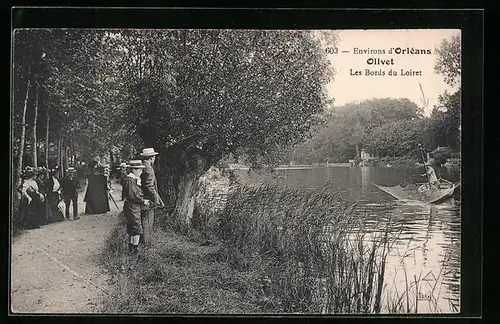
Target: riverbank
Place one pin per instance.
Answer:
(403, 161)
(252, 259)
(178, 275)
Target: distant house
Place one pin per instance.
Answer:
(367, 159)
(367, 156)
(442, 149)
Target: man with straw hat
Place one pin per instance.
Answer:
(69, 186)
(134, 202)
(150, 190)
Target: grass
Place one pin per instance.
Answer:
(275, 250)
(316, 264)
(176, 276)
(278, 250)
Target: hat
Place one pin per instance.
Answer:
(71, 170)
(147, 152)
(29, 171)
(40, 170)
(123, 165)
(135, 164)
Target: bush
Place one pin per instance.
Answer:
(442, 154)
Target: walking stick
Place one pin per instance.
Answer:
(113, 199)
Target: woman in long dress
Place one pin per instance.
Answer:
(53, 192)
(40, 180)
(96, 196)
(31, 205)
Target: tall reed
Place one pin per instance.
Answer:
(316, 262)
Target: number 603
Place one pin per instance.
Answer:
(331, 50)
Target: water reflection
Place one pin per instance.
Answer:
(423, 264)
(424, 260)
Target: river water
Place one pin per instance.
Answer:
(426, 238)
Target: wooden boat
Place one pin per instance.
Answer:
(421, 191)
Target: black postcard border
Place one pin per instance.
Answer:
(469, 21)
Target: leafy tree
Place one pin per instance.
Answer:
(449, 60)
(197, 96)
(445, 126)
(445, 121)
(397, 138)
(362, 124)
(76, 108)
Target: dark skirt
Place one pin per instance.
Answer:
(46, 212)
(54, 214)
(132, 214)
(32, 214)
(96, 196)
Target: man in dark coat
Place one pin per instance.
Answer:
(150, 190)
(70, 186)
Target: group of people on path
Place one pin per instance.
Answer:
(50, 199)
(42, 198)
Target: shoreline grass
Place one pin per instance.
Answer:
(176, 276)
(273, 250)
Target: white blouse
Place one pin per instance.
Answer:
(29, 184)
(56, 184)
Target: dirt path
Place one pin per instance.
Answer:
(55, 269)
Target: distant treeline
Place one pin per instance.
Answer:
(384, 128)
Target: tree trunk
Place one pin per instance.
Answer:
(179, 178)
(66, 157)
(186, 198)
(23, 135)
(358, 154)
(59, 155)
(35, 146)
(47, 143)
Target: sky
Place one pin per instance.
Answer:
(347, 88)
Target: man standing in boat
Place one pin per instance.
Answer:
(433, 180)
